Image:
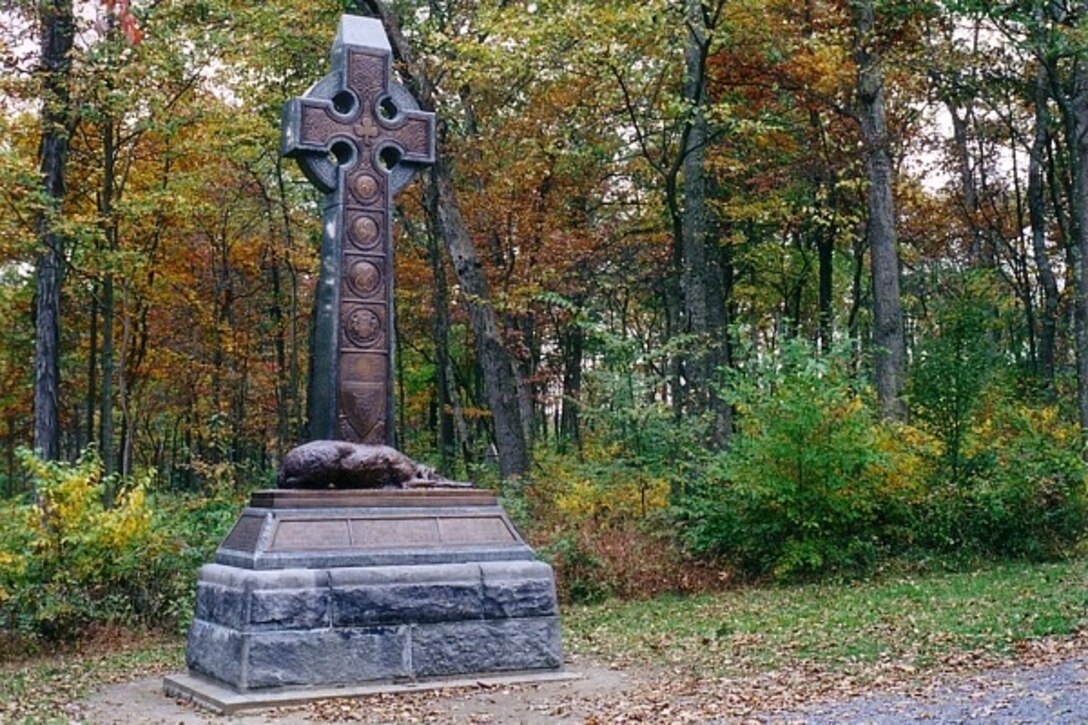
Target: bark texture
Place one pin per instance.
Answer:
(109, 231)
(888, 340)
(1079, 149)
(57, 30)
(500, 381)
(1037, 216)
(701, 273)
(447, 439)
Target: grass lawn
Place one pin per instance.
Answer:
(907, 623)
(914, 621)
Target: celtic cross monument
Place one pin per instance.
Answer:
(362, 568)
(358, 137)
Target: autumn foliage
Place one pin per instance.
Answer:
(695, 345)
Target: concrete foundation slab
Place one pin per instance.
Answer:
(224, 700)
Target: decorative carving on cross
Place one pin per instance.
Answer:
(359, 137)
(366, 130)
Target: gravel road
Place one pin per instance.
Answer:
(1054, 693)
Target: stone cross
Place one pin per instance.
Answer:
(358, 137)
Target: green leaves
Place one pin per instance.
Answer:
(801, 490)
(955, 360)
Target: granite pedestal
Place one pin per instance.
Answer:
(326, 588)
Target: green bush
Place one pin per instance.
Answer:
(812, 482)
(1006, 479)
(955, 360)
(68, 562)
(1025, 494)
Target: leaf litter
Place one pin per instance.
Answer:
(626, 691)
(753, 655)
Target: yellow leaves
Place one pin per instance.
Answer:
(908, 454)
(598, 489)
(15, 522)
(70, 514)
(825, 66)
(1047, 421)
(126, 523)
(603, 500)
(12, 566)
(853, 405)
(67, 495)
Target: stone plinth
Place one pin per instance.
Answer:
(351, 587)
(284, 529)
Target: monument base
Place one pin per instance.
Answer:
(223, 700)
(341, 588)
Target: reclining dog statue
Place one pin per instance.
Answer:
(341, 464)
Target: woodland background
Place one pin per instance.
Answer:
(705, 289)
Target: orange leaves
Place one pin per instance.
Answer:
(130, 27)
(824, 67)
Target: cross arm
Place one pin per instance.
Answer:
(301, 117)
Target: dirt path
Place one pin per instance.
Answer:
(572, 701)
(1051, 691)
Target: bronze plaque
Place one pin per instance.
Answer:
(469, 530)
(245, 534)
(395, 532)
(311, 534)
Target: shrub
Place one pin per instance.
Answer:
(633, 559)
(812, 482)
(1025, 495)
(67, 556)
(954, 362)
(598, 521)
(69, 562)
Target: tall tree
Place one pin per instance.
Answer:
(702, 285)
(888, 340)
(1078, 143)
(1038, 216)
(57, 28)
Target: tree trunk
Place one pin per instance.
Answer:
(718, 275)
(105, 414)
(572, 343)
(525, 366)
(1037, 215)
(825, 270)
(694, 215)
(447, 443)
(1079, 158)
(701, 272)
(11, 456)
(279, 338)
(109, 229)
(888, 340)
(292, 388)
(824, 237)
(124, 385)
(977, 252)
(92, 366)
(500, 379)
(57, 31)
